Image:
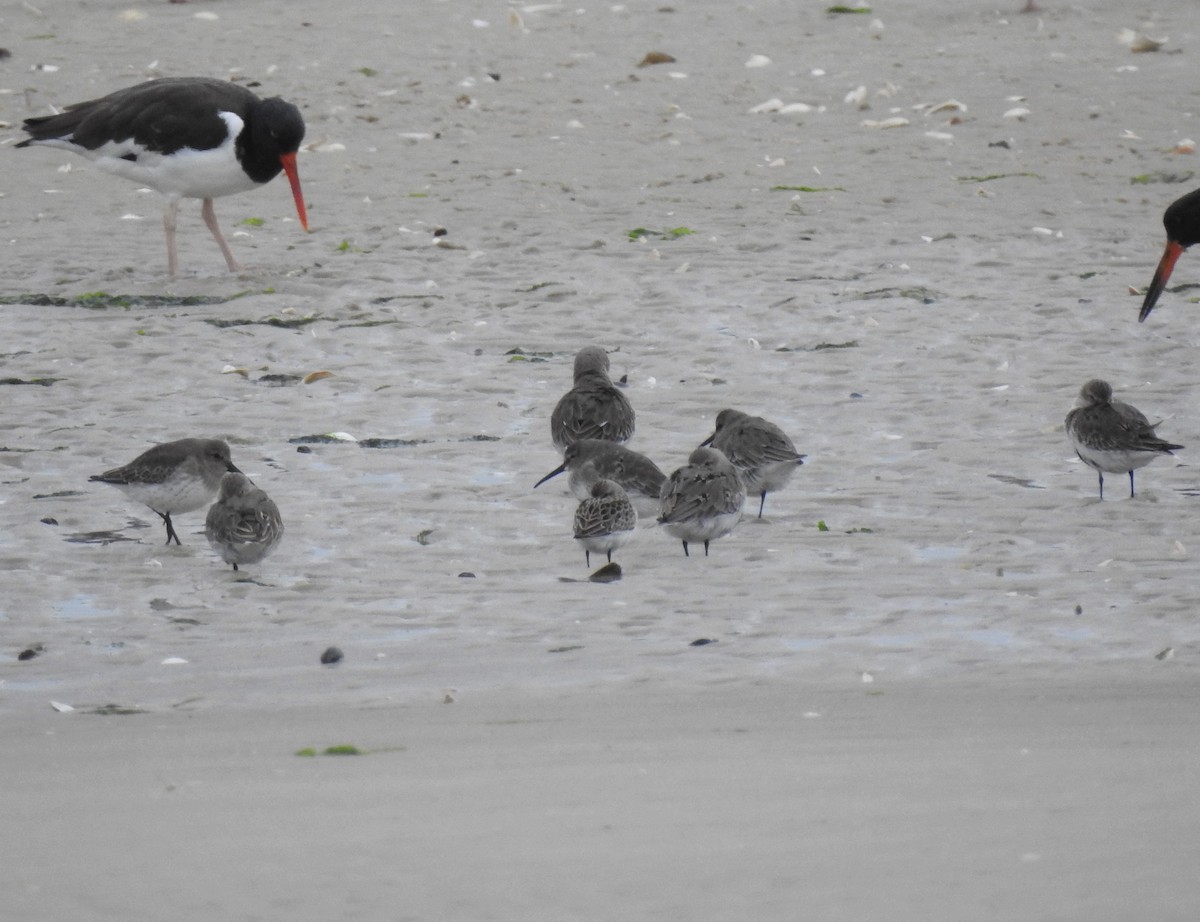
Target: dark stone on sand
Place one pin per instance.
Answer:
(703, 642)
(609, 573)
(330, 656)
(30, 652)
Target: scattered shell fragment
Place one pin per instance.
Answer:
(858, 97)
(1139, 42)
(60, 707)
(1185, 146)
(875, 29)
(131, 15)
(656, 57)
(174, 661)
(771, 105)
(896, 121)
(758, 60)
(950, 105)
(230, 370)
(1017, 112)
(315, 376)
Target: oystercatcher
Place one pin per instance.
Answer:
(187, 137)
(1112, 436)
(1182, 221)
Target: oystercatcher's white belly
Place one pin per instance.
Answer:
(187, 173)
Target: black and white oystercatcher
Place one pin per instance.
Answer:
(1112, 436)
(173, 477)
(187, 137)
(1182, 221)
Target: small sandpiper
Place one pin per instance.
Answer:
(588, 460)
(605, 521)
(174, 477)
(703, 500)
(243, 525)
(1112, 436)
(594, 408)
(762, 453)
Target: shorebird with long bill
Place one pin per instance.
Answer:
(187, 137)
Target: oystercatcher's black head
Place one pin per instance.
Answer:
(268, 144)
(1182, 221)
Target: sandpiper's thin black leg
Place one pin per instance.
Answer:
(1131, 484)
(166, 517)
(762, 502)
(685, 550)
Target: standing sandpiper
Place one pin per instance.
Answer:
(703, 500)
(243, 525)
(762, 453)
(594, 408)
(173, 477)
(1112, 436)
(604, 521)
(590, 459)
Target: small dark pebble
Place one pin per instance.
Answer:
(5, 54)
(466, 574)
(440, 232)
(609, 573)
(303, 450)
(30, 652)
(702, 642)
(49, 520)
(494, 76)
(856, 395)
(566, 649)
(1079, 609)
(330, 656)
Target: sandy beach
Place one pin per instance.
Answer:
(938, 680)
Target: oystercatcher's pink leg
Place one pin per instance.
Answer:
(210, 220)
(169, 230)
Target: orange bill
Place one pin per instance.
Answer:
(289, 167)
(1161, 274)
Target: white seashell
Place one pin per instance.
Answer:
(758, 60)
(174, 661)
(480, 23)
(341, 436)
(895, 121)
(868, 678)
(771, 105)
(1145, 43)
(940, 135)
(230, 370)
(132, 15)
(1130, 136)
(857, 97)
(1019, 113)
(875, 29)
(950, 105)
(60, 707)
(206, 16)
(817, 72)
(795, 107)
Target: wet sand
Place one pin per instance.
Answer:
(916, 306)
